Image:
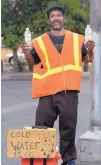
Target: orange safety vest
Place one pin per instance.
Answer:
(57, 71)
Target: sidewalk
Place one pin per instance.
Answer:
(26, 75)
(81, 163)
(16, 76)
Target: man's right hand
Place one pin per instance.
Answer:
(26, 48)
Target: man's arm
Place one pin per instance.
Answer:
(35, 56)
(89, 57)
(84, 52)
(30, 54)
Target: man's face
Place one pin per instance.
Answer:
(56, 20)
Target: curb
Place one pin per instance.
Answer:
(17, 77)
(28, 76)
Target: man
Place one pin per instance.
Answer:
(57, 58)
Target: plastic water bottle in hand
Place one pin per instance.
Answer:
(88, 33)
(27, 36)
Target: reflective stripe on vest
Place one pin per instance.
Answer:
(75, 67)
(43, 48)
(76, 48)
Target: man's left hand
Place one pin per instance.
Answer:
(90, 46)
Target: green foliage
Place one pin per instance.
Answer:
(32, 14)
(76, 17)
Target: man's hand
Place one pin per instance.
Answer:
(90, 46)
(26, 48)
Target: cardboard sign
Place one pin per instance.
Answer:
(31, 143)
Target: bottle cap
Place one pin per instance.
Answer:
(27, 28)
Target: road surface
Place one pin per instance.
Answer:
(18, 110)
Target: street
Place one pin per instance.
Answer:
(18, 110)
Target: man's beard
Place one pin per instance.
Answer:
(57, 27)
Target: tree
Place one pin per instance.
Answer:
(11, 38)
(15, 19)
(32, 14)
(85, 4)
(77, 16)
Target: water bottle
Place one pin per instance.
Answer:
(27, 35)
(88, 33)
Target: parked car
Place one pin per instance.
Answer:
(10, 59)
(4, 52)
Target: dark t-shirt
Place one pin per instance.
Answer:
(58, 42)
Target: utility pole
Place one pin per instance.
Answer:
(1, 66)
(2, 55)
(95, 22)
(89, 144)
